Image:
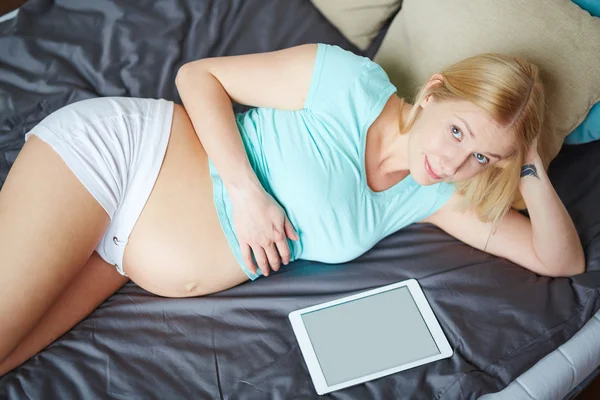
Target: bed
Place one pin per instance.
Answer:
(514, 334)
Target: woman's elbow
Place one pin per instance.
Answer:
(576, 267)
(579, 264)
(187, 71)
(182, 73)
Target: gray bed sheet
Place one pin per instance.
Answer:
(499, 318)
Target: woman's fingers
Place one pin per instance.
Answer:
(247, 257)
(289, 229)
(267, 253)
(261, 259)
(273, 257)
(284, 251)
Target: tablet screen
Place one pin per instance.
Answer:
(368, 335)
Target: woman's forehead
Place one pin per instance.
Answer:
(483, 129)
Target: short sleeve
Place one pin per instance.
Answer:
(347, 91)
(335, 72)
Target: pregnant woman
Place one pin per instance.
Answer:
(329, 163)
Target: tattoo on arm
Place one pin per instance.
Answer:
(529, 170)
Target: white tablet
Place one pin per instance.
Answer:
(368, 335)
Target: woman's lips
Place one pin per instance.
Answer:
(429, 170)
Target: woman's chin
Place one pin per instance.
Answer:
(423, 179)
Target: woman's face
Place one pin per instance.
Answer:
(453, 141)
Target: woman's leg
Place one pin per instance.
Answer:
(49, 226)
(94, 283)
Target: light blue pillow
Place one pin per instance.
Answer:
(591, 6)
(589, 130)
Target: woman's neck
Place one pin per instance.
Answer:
(392, 146)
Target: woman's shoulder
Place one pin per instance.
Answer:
(344, 81)
(343, 60)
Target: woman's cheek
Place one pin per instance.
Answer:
(438, 142)
(468, 172)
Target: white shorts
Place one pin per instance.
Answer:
(115, 146)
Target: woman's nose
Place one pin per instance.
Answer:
(451, 163)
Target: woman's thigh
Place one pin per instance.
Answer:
(49, 227)
(177, 247)
(95, 282)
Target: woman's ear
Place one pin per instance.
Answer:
(426, 100)
(435, 81)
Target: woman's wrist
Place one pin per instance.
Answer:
(244, 186)
(532, 162)
(532, 171)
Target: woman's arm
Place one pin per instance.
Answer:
(279, 79)
(555, 239)
(547, 243)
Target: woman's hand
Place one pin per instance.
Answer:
(532, 155)
(262, 228)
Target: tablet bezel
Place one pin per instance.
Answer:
(310, 357)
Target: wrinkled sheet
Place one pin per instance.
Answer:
(499, 318)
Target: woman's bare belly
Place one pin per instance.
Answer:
(177, 247)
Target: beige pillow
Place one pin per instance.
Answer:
(358, 20)
(557, 35)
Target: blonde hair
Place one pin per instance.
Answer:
(510, 90)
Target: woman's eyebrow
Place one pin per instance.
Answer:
(467, 125)
(473, 136)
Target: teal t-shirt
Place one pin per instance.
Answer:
(312, 162)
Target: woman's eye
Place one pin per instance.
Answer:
(481, 159)
(456, 132)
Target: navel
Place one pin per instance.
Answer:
(191, 287)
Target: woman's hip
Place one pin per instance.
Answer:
(142, 161)
(115, 147)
